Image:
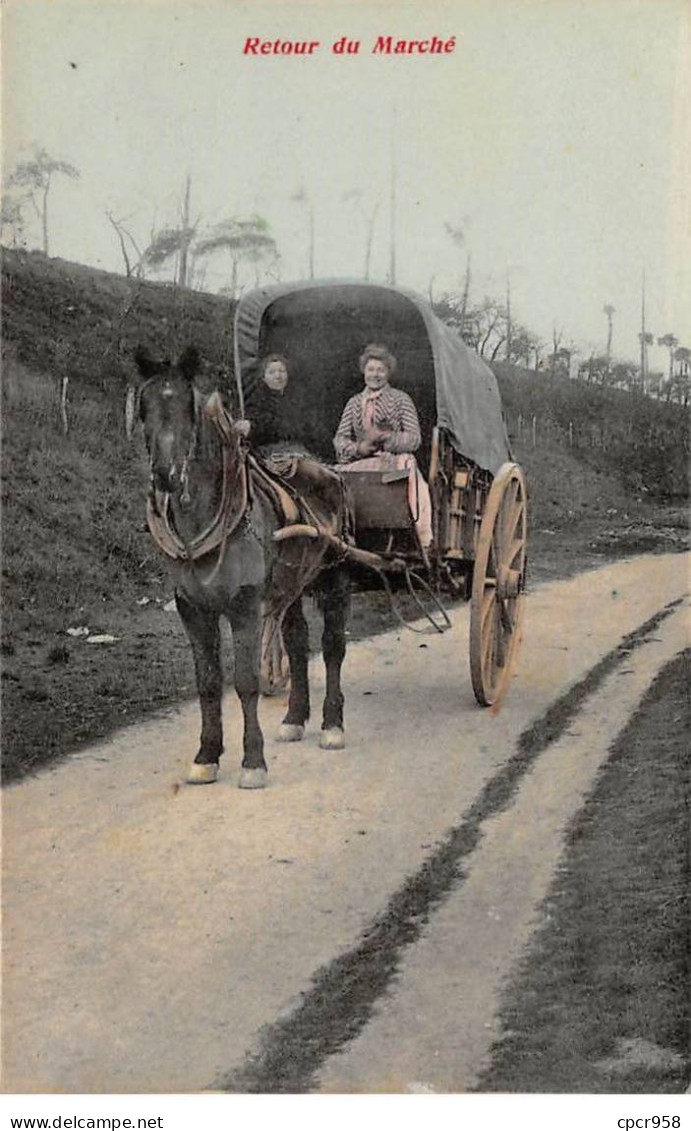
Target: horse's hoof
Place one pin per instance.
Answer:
(290, 732)
(332, 739)
(202, 773)
(252, 779)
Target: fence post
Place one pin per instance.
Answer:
(63, 404)
(534, 430)
(520, 424)
(571, 433)
(130, 406)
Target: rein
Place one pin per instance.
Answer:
(232, 508)
(233, 511)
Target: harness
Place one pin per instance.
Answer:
(239, 477)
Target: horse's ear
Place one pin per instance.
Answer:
(189, 361)
(145, 362)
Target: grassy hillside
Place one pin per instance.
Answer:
(73, 518)
(642, 442)
(66, 319)
(76, 552)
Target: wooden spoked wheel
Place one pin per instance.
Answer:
(275, 669)
(497, 598)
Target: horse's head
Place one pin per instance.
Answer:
(169, 407)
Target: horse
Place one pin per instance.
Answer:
(221, 521)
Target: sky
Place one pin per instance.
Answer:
(557, 134)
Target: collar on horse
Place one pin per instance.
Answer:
(235, 497)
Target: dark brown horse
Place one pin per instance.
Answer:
(215, 515)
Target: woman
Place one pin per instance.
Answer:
(379, 431)
(271, 430)
(269, 424)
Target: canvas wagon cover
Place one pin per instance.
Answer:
(322, 327)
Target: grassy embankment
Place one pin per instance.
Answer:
(600, 1003)
(75, 548)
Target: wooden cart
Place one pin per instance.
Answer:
(478, 493)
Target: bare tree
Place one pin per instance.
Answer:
(646, 339)
(537, 347)
(486, 327)
(189, 231)
(523, 345)
(166, 244)
(36, 177)
(556, 343)
(134, 266)
(369, 215)
(457, 235)
(465, 298)
(609, 311)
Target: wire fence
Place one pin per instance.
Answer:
(648, 442)
(536, 431)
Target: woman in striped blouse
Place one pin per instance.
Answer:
(379, 431)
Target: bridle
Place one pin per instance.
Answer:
(242, 479)
(234, 502)
(191, 447)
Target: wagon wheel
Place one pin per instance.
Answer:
(498, 581)
(275, 669)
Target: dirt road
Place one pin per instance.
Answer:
(160, 937)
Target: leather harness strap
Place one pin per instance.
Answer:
(234, 503)
(283, 501)
(232, 508)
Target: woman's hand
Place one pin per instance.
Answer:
(365, 448)
(242, 427)
(373, 441)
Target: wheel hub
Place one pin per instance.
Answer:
(508, 582)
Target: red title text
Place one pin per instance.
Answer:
(383, 45)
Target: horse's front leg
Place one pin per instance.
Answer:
(335, 599)
(203, 630)
(296, 640)
(246, 623)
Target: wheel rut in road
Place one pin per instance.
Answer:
(340, 1002)
(205, 917)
